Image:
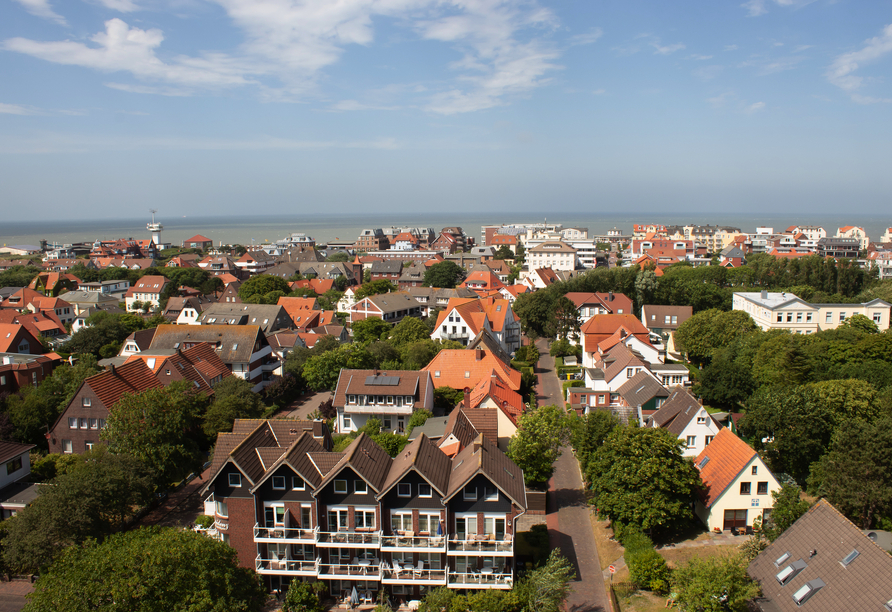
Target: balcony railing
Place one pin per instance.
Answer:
(403, 542)
(456, 336)
(289, 534)
(364, 570)
(366, 539)
(406, 574)
(481, 579)
(286, 566)
(481, 545)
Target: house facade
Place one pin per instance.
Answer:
(147, 290)
(773, 310)
(361, 519)
(683, 416)
(391, 397)
(389, 307)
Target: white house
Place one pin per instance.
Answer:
(773, 310)
(147, 290)
(390, 397)
(851, 231)
(554, 255)
(737, 484)
(683, 416)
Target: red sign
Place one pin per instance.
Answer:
(611, 569)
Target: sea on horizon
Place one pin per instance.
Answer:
(260, 229)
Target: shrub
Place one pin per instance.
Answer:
(648, 570)
(204, 521)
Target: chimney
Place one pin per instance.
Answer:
(479, 354)
(610, 296)
(113, 371)
(477, 445)
(764, 294)
(467, 400)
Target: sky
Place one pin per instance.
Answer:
(232, 107)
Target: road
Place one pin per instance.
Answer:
(569, 525)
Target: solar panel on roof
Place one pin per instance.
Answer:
(382, 380)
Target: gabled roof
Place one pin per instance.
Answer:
(485, 279)
(426, 459)
(142, 338)
(617, 359)
(233, 343)
(655, 316)
(509, 401)
(484, 420)
(611, 302)
(726, 457)
(377, 382)
(641, 388)
(133, 377)
(601, 327)
(452, 364)
(297, 457)
(367, 459)
(392, 302)
(459, 426)
(865, 583)
(676, 412)
(198, 364)
(198, 238)
(485, 340)
(11, 450)
(482, 456)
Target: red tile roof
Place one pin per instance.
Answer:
(601, 327)
(132, 377)
(198, 238)
(728, 456)
(509, 401)
(452, 364)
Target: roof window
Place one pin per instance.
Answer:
(850, 557)
(791, 571)
(782, 559)
(807, 590)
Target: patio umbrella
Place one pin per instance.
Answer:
(440, 528)
(354, 597)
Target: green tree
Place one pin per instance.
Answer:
(856, 475)
(374, 288)
(340, 256)
(563, 322)
(862, 324)
(446, 274)
(153, 427)
(639, 477)
(410, 329)
(546, 588)
(562, 348)
(418, 418)
(30, 416)
(447, 397)
(233, 399)
(715, 584)
(705, 332)
(537, 444)
(503, 253)
(94, 498)
(589, 432)
(149, 569)
(302, 597)
(322, 371)
(788, 506)
(260, 285)
(369, 330)
(645, 288)
(383, 352)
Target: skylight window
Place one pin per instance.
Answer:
(807, 590)
(782, 559)
(790, 572)
(850, 557)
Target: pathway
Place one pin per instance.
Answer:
(569, 526)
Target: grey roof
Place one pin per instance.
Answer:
(20, 493)
(821, 539)
(676, 412)
(487, 341)
(433, 428)
(234, 343)
(653, 315)
(641, 388)
(394, 302)
(390, 266)
(268, 317)
(88, 297)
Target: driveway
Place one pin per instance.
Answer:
(304, 405)
(569, 527)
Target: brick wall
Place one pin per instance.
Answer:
(241, 529)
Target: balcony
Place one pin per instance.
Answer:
(456, 336)
(289, 535)
(481, 545)
(348, 539)
(367, 569)
(413, 543)
(286, 567)
(486, 578)
(409, 574)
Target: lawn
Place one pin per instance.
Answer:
(642, 601)
(609, 550)
(679, 556)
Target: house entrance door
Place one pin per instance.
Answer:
(734, 518)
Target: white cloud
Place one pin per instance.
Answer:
(42, 9)
(599, 92)
(720, 100)
(666, 49)
(122, 6)
(15, 109)
(754, 108)
(707, 73)
(759, 7)
(588, 38)
(731, 47)
(841, 71)
(353, 105)
(289, 43)
(700, 58)
(765, 65)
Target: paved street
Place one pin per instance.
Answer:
(569, 527)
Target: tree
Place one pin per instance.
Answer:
(410, 329)
(97, 495)
(787, 508)
(715, 584)
(369, 330)
(447, 397)
(418, 418)
(446, 275)
(562, 348)
(233, 399)
(322, 371)
(856, 475)
(260, 285)
(705, 332)
(503, 253)
(546, 588)
(340, 256)
(589, 432)
(383, 352)
(563, 323)
(374, 288)
(639, 477)
(302, 597)
(645, 287)
(153, 426)
(537, 444)
(153, 568)
(862, 324)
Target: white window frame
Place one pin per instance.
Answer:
(67, 447)
(430, 490)
(86, 401)
(235, 479)
(279, 479)
(298, 487)
(359, 482)
(340, 486)
(72, 422)
(467, 494)
(400, 489)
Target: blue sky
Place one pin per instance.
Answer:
(110, 107)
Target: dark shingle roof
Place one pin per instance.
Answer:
(483, 457)
(641, 388)
(676, 412)
(865, 584)
(367, 459)
(11, 450)
(133, 377)
(234, 343)
(426, 459)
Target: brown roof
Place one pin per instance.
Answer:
(367, 459)
(426, 459)
(296, 456)
(198, 364)
(325, 462)
(460, 426)
(393, 302)
(619, 358)
(864, 584)
(612, 302)
(726, 457)
(11, 450)
(484, 420)
(641, 388)
(655, 316)
(234, 343)
(378, 382)
(483, 456)
(133, 377)
(677, 411)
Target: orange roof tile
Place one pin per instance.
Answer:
(509, 401)
(133, 377)
(728, 456)
(452, 364)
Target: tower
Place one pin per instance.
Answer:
(155, 228)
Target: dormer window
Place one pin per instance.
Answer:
(791, 571)
(807, 590)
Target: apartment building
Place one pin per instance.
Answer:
(773, 310)
(360, 519)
